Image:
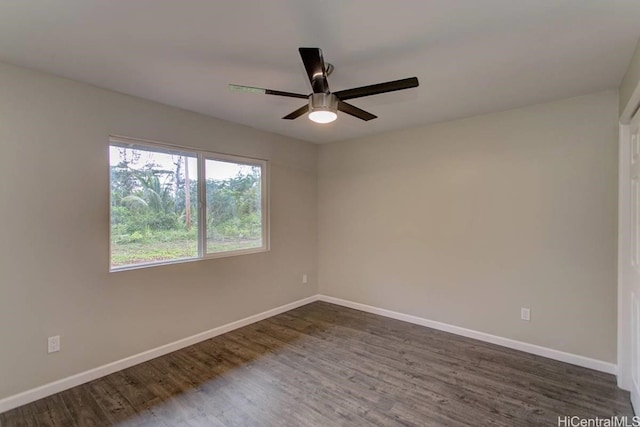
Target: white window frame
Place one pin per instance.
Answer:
(202, 156)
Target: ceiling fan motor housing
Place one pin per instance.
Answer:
(323, 102)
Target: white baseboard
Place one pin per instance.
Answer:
(562, 356)
(92, 374)
(83, 377)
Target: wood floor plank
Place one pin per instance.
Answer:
(51, 412)
(326, 365)
(553, 381)
(405, 361)
(112, 401)
(311, 382)
(336, 363)
(83, 409)
(278, 383)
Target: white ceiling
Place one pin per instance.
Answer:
(471, 56)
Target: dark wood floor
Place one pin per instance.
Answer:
(325, 365)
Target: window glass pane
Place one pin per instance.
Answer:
(233, 206)
(154, 205)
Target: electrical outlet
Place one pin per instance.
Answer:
(525, 314)
(304, 279)
(53, 344)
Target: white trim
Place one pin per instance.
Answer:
(83, 377)
(624, 255)
(131, 141)
(202, 206)
(632, 106)
(562, 356)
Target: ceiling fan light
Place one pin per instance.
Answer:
(323, 107)
(322, 116)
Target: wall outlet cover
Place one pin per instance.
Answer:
(53, 344)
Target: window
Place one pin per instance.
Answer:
(171, 204)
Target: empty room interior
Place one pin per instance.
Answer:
(336, 213)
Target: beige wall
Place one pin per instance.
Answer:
(54, 228)
(630, 80)
(467, 221)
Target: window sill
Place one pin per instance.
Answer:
(185, 260)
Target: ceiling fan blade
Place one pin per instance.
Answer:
(355, 111)
(314, 64)
(359, 92)
(260, 90)
(300, 111)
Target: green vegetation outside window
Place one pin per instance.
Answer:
(172, 204)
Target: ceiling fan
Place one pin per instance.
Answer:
(323, 104)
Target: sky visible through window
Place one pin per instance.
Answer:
(223, 170)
